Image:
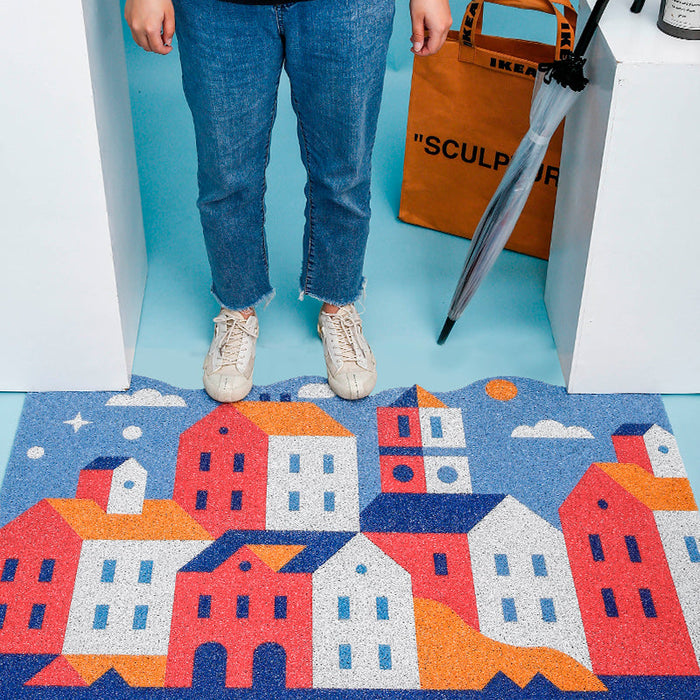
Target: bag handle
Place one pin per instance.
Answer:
(471, 52)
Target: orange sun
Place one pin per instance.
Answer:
(501, 390)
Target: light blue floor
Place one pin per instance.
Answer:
(411, 271)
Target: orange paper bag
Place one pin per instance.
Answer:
(469, 110)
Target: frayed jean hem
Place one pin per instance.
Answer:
(264, 299)
(361, 296)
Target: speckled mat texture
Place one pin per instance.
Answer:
(503, 540)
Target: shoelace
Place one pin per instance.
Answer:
(348, 333)
(231, 341)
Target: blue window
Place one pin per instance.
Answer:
(204, 606)
(3, 612)
(691, 544)
(436, 426)
(140, 617)
(204, 461)
(440, 563)
(547, 607)
(538, 565)
(647, 602)
(294, 464)
(236, 500)
(280, 607)
(242, 606)
(596, 547)
(46, 571)
(36, 617)
(328, 465)
(99, 622)
(382, 608)
(329, 501)
(9, 570)
(633, 549)
(109, 566)
(238, 462)
(344, 656)
(384, 657)
(502, 568)
(508, 607)
(201, 502)
(343, 607)
(293, 500)
(145, 571)
(404, 426)
(609, 602)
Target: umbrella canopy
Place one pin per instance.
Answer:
(556, 89)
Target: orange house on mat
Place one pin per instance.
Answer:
(235, 598)
(630, 609)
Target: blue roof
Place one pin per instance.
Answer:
(106, 463)
(409, 399)
(319, 547)
(633, 429)
(427, 512)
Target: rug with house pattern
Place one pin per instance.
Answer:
(502, 540)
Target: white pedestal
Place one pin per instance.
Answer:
(623, 286)
(73, 262)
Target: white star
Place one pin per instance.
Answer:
(77, 422)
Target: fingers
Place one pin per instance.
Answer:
(418, 36)
(431, 20)
(168, 27)
(152, 24)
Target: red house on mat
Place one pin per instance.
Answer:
(439, 565)
(221, 476)
(630, 609)
(234, 596)
(39, 554)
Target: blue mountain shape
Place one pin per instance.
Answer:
(110, 682)
(500, 687)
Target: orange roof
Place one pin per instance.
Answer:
(160, 520)
(291, 418)
(657, 493)
(427, 400)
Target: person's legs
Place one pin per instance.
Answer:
(336, 60)
(231, 57)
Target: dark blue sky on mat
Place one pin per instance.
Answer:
(538, 472)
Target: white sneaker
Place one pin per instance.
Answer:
(352, 369)
(228, 366)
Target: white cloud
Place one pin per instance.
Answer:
(132, 432)
(147, 397)
(551, 429)
(315, 391)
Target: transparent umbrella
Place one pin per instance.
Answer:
(557, 87)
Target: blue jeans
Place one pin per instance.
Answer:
(334, 52)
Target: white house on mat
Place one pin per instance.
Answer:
(125, 583)
(312, 481)
(680, 537)
(650, 446)
(524, 589)
(364, 632)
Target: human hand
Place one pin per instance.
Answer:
(434, 18)
(152, 24)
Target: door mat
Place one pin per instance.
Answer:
(505, 540)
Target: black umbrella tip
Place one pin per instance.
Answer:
(445, 331)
